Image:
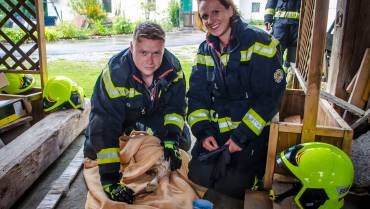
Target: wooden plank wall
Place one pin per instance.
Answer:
(351, 38)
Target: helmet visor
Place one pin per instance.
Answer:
(290, 155)
(75, 98)
(47, 104)
(27, 81)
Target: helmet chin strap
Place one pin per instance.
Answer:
(292, 191)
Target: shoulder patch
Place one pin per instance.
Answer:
(278, 75)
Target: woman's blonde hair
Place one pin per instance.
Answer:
(226, 3)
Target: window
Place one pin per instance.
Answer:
(107, 5)
(256, 7)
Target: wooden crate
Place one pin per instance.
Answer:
(330, 128)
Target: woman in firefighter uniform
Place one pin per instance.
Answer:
(236, 86)
(142, 88)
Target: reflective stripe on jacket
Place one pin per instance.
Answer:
(282, 11)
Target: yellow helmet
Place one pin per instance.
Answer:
(324, 173)
(18, 83)
(62, 93)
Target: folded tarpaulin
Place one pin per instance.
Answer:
(139, 153)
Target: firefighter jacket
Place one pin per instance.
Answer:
(121, 100)
(282, 11)
(235, 93)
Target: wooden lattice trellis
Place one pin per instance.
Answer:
(26, 55)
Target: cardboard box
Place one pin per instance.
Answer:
(11, 110)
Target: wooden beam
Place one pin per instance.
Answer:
(341, 103)
(24, 159)
(61, 186)
(18, 122)
(347, 141)
(287, 127)
(361, 120)
(361, 83)
(330, 110)
(41, 41)
(300, 79)
(314, 73)
(271, 155)
(349, 88)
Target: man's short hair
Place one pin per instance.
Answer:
(149, 30)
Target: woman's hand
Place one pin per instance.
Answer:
(233, 147)
(210, 143)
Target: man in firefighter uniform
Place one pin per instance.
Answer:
(236, 86)
(142, 88)
(282, 16)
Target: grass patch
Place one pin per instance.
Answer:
(83, 73)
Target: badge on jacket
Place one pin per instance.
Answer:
(278, 75)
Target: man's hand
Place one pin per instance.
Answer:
(172, 154)
(210, 144)
(119, 192)
(233, 147)
(267, 26)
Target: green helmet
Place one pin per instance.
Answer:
(62, 93)
(18, 83)
(324, 174)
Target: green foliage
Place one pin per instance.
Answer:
(15, 34)
(51, 34)
(147, 6)
(98, 28)
(174, 9)
(122, 25)
(166, 25)
(68, 30)
(92, 9)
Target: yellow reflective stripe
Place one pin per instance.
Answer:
(246, 55)
(287, 14)
(197, 116)
(205, 60)
(226, 124)
(269, 11)
(225, 59)
(213, 116)
(180, 75)
(115, 92)
(266, 50)
(133, 93)
(261, 49)
(109, 155)
(254, 121)
(174, 119)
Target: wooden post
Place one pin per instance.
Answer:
(271, 155)
(315, 68)
(41, 42)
